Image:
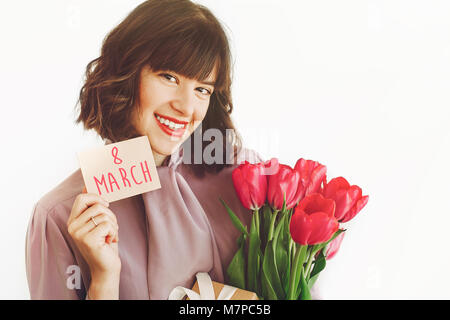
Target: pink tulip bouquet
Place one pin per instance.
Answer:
(295, 226)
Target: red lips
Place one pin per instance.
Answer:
(171, 119)
(171, 132)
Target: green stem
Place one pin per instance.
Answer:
(253, 253)
(293, 274)
(256, 213)
(289, 217)
(272, 225)
(308, 264)
(291, 248)
(258, 259)
(314, 250)
(298, 260)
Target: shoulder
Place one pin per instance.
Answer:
(57, 203)
(250, 155)
(243, 154)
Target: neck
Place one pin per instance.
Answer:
(159, 158)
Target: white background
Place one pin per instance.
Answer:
(360, 86)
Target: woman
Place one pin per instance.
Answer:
(163, 72)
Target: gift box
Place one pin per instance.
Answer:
(206, 289)
(239, 294)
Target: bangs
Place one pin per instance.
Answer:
(193, 52)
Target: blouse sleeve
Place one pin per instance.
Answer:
(52, 270)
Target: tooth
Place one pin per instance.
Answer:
(170, 124)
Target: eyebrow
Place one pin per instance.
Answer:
(208, 83)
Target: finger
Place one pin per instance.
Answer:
(90, 226)
(109, 239)
(93, 211)
(83, 201)
(113, 240)
(102, 231)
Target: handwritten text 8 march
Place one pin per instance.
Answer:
(136, 176)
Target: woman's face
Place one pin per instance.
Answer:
(171, 108)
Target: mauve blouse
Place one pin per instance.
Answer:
(166, 235)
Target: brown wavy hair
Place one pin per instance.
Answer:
(176, 35)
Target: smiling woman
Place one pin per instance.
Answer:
(164, 72)
(180, 70)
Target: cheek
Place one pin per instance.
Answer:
(151, 96)
(199, 116)
(148, 96)
(201, 111)
(153, 93)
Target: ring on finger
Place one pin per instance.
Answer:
(93, 220)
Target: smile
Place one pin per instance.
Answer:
(171, 126)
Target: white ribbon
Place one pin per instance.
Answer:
(206, 289)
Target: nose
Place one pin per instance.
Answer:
(183, 102)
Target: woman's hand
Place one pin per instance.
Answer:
(97, 242)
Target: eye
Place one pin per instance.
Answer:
(204, 91)
(169, 77)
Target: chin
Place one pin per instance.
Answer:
(164, 144)
(165, 150)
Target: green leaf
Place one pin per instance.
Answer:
(285, 239)
(271, 272)
(281, 249)
(299, 290)
(258, 264)
(312, 280)
(319, 264)
(236, 268)
(304, 292)
(269, 293)
(323, 245)
(235, 220)
(278, 228)
(285, 275)
(264, 289)
(336, 234)
(303, 255)
(253, 256)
